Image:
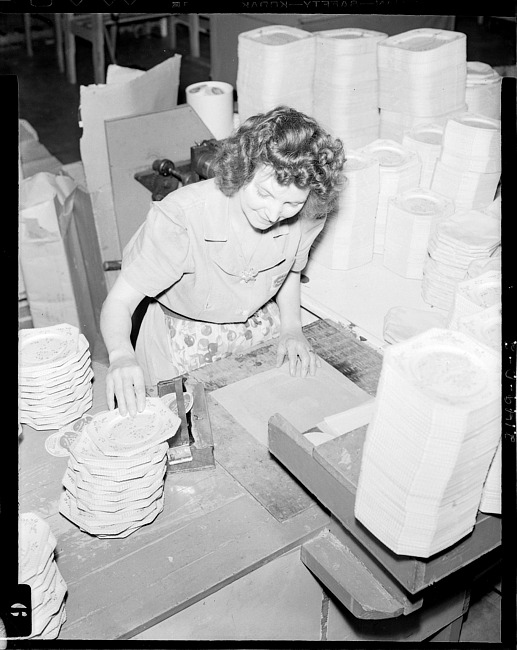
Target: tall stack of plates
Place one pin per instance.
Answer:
(401, 323)
(114, 482)
(411, 218)
(483, 90)
(275, 66)
(428, 447)
(454, 244)
(484, 264)
(399, 171)
(426, 142)
(55, 376)
(37, 567)
(491, 497)
(346, 241)
(469, 167)
(474, 295)
(394, 125)
(345, 86)
(422, 73)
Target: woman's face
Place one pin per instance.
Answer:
(265, 202)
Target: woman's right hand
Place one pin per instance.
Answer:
(125, 383)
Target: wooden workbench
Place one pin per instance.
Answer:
(218, 524)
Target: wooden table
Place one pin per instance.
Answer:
(217, 525)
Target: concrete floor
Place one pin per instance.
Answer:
(50, 104)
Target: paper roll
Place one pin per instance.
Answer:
(213, 102)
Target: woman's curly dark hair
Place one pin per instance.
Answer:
(295, 146)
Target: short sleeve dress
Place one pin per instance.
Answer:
(187, 256)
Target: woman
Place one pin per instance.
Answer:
(215, 253)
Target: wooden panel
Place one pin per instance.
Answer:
(134, 143)
(173, 566)
(348, 579)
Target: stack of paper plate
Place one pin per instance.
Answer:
(399, 171)
(469, 167)
(346, 84)
(455, 243)
(402, 323)
(275, 66)
(346, 241)
(423, 72)
(426, 142)
(494, 208)
(491, 497)
(484, 264)
(394, 124)
(411, 218)
(55, 376)
(429, 444)
(484, 326)
(483, 90)
(474, 295)
(115, 476)
(37, 567)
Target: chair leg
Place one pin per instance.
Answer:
(193, 21)
(171, 29)
(98, 48)
(59, 42)
(69, 38)
(28, 33)
(110, 34)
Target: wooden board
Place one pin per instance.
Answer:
(304, 401)
(296, 453)
(211, 532)
(248, 461)
(133, 144)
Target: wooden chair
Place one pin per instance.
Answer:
(101, 30)
(58, 35)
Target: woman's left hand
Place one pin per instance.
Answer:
(302, 358)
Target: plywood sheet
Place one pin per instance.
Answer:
(304, 401)
(134, 143)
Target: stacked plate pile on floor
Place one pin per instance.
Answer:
(474, 295)
(275, 66)
(426, 142)
(469, 167)
(37, 567)
(399, 170)
(491, 496)
(422, 79)
(345, 89)
(455, 243)
(412, 217)
(55, 376)
(114, 482)
(428, 448)
(346, 240)
(483, 90)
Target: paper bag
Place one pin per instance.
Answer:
(57, 270)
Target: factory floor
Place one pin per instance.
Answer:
(50, 104)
